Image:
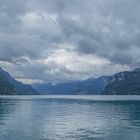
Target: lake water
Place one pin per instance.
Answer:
(70, 118)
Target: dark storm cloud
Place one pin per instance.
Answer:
(35, 33)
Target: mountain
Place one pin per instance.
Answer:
(90, 86)
(5, 86)
(124, 83)
(63, 88)
(8, 85)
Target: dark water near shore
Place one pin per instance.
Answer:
(68, 119)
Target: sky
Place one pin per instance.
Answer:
(55, 41)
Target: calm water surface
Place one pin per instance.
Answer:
(68, 119)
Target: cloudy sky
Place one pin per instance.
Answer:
(65, 40)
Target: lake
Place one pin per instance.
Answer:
(69, 117)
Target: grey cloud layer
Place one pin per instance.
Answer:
(35, 33)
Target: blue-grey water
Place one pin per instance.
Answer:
(70, 118)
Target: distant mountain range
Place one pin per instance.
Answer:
(91, 86)
(10, 86)
(123, 83)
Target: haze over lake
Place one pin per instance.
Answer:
(69, 118)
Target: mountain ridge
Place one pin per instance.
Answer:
(90, 86)
(17, 87)
(124, 83)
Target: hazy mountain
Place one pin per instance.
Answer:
(11, 86)
(90, 86)
(124, 83)
(63, 88)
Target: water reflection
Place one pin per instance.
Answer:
(60, 119)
